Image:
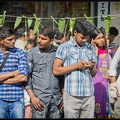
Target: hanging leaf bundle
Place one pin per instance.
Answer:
(37, 24)
(71, 24)
(89, 19)
(54, 20)
(107, 24)
(29, 21)
(107, 21)
(2, 19)
(17, 22)
(61, 25)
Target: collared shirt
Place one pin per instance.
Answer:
(78, 82)
(41, 79)
(17, 60)
(113, 67)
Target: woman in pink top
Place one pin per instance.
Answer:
(100, 81)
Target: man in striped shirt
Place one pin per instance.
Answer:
(12, 76)
(76, 60)
(113, 32)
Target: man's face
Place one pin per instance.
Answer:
(8, 42)
(80, 39)
(111, 38)
(44, 42)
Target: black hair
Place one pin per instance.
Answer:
(58, 35)
(47, 31)
(83, 26)
(20, 32)
(113, 31)
(102, 30)
(94, 34)
(31, 42)
(6, 32)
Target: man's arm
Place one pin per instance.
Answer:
(59, 69)
(17, 79)
(8, 75)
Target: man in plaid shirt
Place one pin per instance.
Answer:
(12, 76)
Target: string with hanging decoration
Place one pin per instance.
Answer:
(62, 25)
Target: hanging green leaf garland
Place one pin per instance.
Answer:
(71, 24)
(107, 24)
(37, 24)
(1, 19)
(25, 33)
(29, 21)
(107, 21)
(54, 20)
(61, 25)
(90, 19)
(17, 22)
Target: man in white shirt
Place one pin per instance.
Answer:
(115, 82)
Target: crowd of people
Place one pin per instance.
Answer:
(52, 75)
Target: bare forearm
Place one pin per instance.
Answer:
(5, 76)
(64, 70)
(17, 79)
(30, 93)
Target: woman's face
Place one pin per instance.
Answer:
(100, 40)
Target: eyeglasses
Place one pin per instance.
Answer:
(100, 38)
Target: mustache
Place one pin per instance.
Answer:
(39, 43)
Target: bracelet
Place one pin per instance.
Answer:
(33, 98)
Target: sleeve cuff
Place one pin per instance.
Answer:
(112, 73)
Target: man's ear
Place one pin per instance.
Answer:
(75, 32)
(1, 40)
(51, 41)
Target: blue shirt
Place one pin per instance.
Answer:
(78, 82)
(17, 60)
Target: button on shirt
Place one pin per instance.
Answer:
(78, 82)
(41, 79)
(17, 60)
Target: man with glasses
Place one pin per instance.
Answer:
(12, 76)
(76, 60)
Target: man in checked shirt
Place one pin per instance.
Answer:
(12, 76)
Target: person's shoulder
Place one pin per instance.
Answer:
(88, 45)
(33, 50)
(19, 50)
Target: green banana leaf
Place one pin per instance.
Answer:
(90, 19)
(17, 22)
(61, 25)
(107, 21)
(29, 21)
(37, 24)
(107, 24)
(71, 24)
(54, 20)
(1, 19)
